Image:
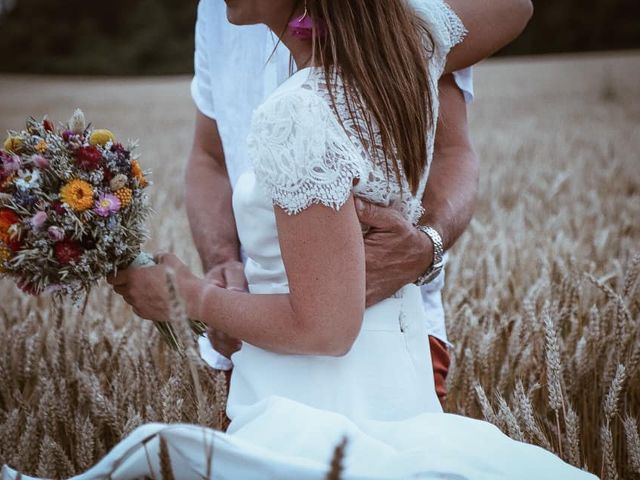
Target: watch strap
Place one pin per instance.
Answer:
(438, 255)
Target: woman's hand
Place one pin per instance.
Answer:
(145, 288)
(228, 275)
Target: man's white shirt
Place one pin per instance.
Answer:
(236, 68)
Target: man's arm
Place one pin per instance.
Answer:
(396, 252)
(450, 196)
(491, 25)
(208, 199)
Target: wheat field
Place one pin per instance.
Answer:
(542, 296)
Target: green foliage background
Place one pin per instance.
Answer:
(143, 37)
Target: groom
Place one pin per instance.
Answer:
(235, 69)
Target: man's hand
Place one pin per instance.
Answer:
(396, 252)
(229, 275)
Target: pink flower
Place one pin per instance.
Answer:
(107, 204)
(39, 161)
(55, 233)
(38, 219)
(10, 163)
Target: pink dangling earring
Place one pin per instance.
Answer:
(302, 27)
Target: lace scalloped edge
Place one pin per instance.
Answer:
(456, 29)
(294, 202)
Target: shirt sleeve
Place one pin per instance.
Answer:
(464, 81)
(301, 155)
(201, 88)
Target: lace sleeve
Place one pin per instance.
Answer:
(300, 154)
(444, 25)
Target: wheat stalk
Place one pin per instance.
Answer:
(335, 470)
(633, 443)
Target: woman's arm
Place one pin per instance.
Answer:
(450, 195)
(321, 245)
(491, 25)
(323, 253)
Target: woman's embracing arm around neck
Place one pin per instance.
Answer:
(490, 24)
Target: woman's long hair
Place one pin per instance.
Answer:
(381, 50)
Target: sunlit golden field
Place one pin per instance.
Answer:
(543, 291)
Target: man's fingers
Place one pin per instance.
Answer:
(121, 279)
(120, 289)
(160, 256)
(223, 343)
(215, 276)
(234, 277)
(168, 260)
(375, 215)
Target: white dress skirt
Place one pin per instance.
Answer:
(289, 412)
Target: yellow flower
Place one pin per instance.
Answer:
(137, 173)
(42, 146)
(78, 194)
(125, 195)
(13, 143)
(5, 254)
(101, 137)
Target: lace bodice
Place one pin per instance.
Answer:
(303, 155)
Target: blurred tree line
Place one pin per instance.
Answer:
(128, 37)
(579, 25)
(87, 36)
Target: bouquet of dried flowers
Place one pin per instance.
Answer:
(73, 208)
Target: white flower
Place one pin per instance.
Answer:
(28, 180)
(77, 124)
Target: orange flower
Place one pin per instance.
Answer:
(137, 173)
(125, 195)
(5, 254)
(78, 194)
(42, 146)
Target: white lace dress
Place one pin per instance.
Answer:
(289, 412)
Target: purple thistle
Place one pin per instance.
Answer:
(123, 156)
(25, 198)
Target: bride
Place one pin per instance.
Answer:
(357, 119)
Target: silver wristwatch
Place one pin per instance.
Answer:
(438, 253)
